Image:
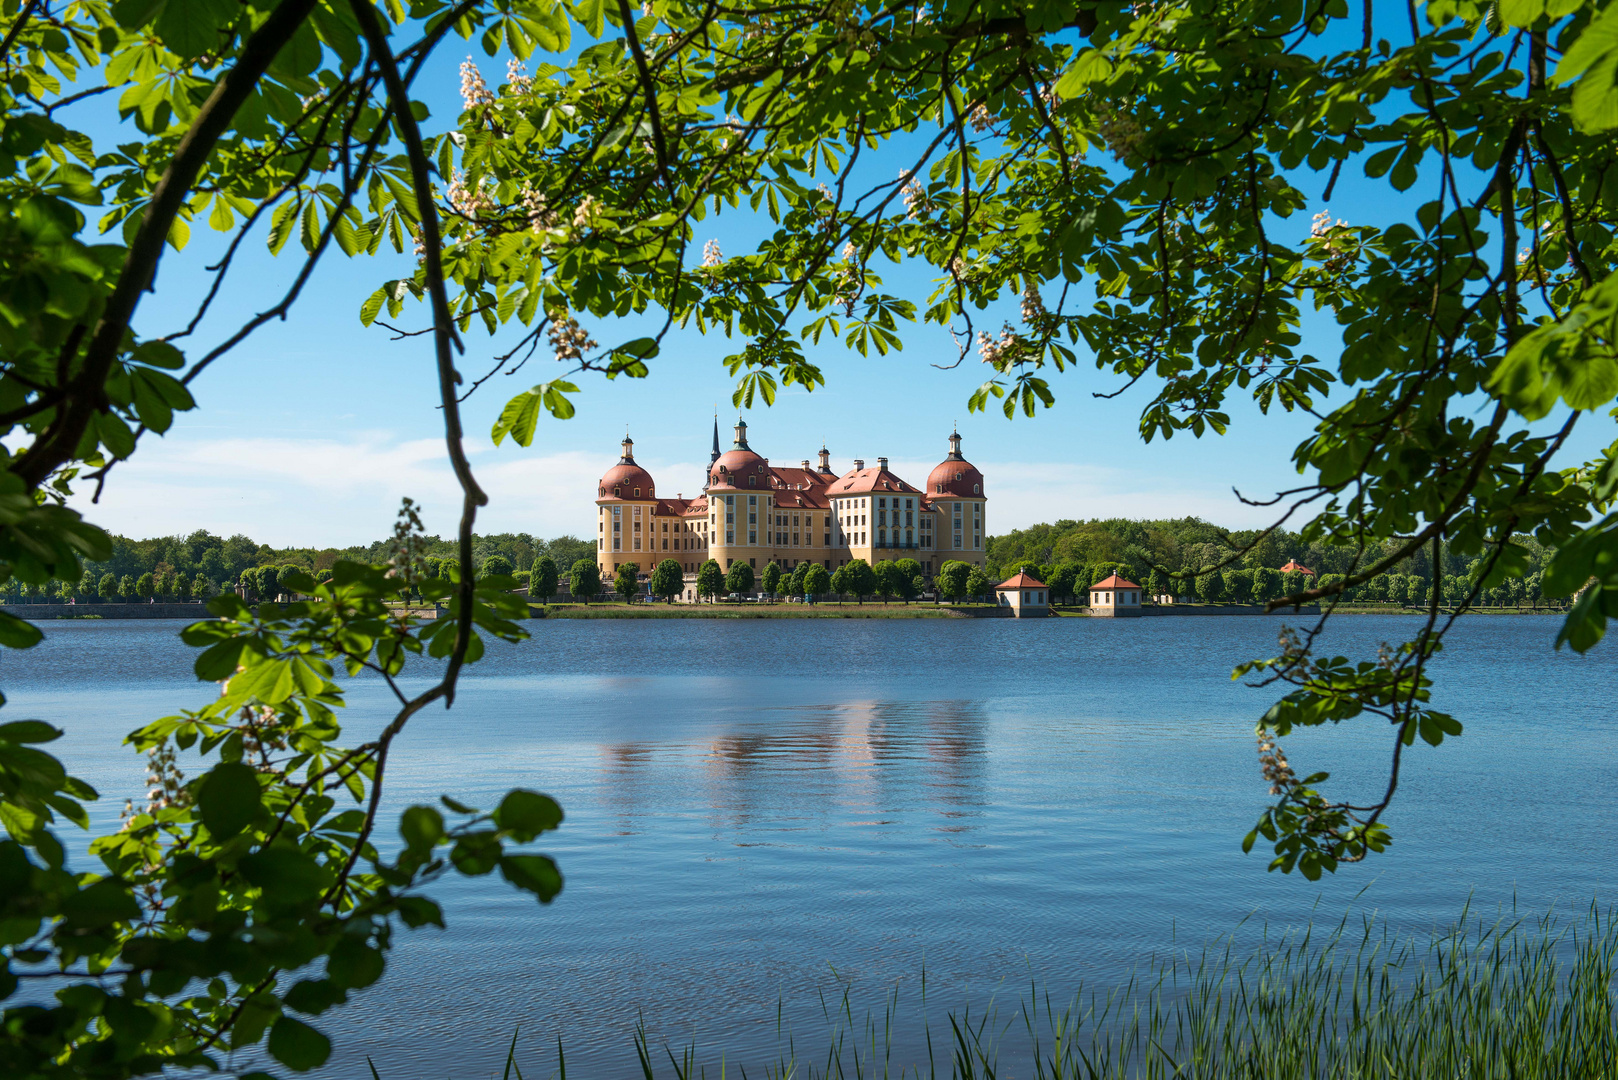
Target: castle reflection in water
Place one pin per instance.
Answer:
(807, 763)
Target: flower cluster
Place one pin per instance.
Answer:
(261, 735)
(850, 281)
(1033, 306)
(474, 91)
(567, 338)
(980, 117)
(538, 214)
(468, 201)
(1273, 761)
(1000, 352)
(165, 783)
(407, 548)
(915, 196)
(1119, 131)
(1333, 240)
(711, 255)
(584, 214)
(518, 81)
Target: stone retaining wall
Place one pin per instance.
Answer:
(43, 612)
(1224, 609)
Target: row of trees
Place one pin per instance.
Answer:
(111, 588)
(222, 561)
(1187, 548)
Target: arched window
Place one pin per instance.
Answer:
(752, 481)
(637, 493)
(974, 489)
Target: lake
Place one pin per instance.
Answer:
(762, 813)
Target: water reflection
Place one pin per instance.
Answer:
(791, 767)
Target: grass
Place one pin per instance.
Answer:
(1516, 999)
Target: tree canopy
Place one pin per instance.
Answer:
(1126, 176)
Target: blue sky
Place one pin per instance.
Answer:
(311, 432)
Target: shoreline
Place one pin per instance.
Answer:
(194, 612)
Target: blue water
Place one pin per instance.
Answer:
(763, 812)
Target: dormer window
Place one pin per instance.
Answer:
(958, 476)
(637, 493)
(752, 481)
(974, 489)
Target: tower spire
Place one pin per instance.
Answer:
(715, 456)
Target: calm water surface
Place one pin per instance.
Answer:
(768, 811)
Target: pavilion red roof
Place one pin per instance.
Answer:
(1115, 582)
(1298, 566)
(1020, 581)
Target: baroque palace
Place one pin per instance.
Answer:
(754, 511)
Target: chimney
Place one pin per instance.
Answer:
(805, 464)
(882, 463)
(859, 464)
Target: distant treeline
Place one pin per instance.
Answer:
(202, 564)
(1161, 556)
(1164, 556)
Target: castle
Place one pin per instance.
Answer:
(752, 510)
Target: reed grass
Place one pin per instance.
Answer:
(1512, 999)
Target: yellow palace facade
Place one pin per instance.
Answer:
(753, 511)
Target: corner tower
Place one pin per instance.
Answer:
(626, 501)
(955, 493)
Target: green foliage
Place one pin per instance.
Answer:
(275, 900)
(886, 578)
(1062, 581)
(1122, 169)
(710, 580)
(770, 579)
(739, 578)
(584, 580)
(952, 578)
(627, 583)
(543, 578)
(817, 582)
(977, 583)
(667, 580)
(859, 579)
(906, 572)
(495, 566)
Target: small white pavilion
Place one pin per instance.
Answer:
(1027, 597)
(1115, 597)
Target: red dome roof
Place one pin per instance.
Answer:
(955, 478)
(621, 480)
(735, 466)
(955, 475)
(625, 480)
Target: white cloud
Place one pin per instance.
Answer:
(326, 491)
(1027, 493)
